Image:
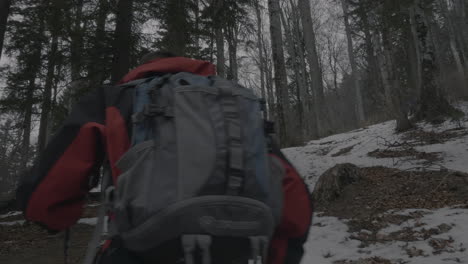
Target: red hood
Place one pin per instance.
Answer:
(171, 65)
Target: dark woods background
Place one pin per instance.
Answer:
(323, 66)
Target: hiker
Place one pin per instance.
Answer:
(114, 125)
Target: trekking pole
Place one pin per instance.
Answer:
(66, 245)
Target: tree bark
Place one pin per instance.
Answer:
(311, 116)
(261, 59)
(27, 119)
(269, 82)
(354, 72)
(416, 50)
(220, 60)
(433, 104)
(300, 80)
(281, 84)
(177, 27)
(372, 64)
(320, 111)
(219, 35)
(33, 68)
(231, 38)
(96, 71)
(4, 12)
(77, 42)
(46, 98)
(453, 41)
(122, 41)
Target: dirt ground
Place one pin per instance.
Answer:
(363, 203)
(29, 243)
(381, 189)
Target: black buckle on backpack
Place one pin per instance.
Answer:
(153, 110)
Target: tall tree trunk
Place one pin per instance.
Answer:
(300, 80)
(122, 41)
(27, 119)
(453, 41)
(96, 71)
(320, 109)
(77, 42)
(372, 63)
(415, 49)
(460, 9)
(354, 72)
(219, 35)
(281, 84)
(197, 24)
(33, 68)
(232, 50)
(261, 59)
(4, 12)
(433, 104)
(310, 116)
(177, 27)
(46, 98)
(220, 60)
(55, 27)
(269, 83)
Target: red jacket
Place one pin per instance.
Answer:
(53, 194)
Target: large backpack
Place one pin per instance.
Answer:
(197, 180)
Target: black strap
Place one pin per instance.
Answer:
(235, 167)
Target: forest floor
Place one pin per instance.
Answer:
(410, 204)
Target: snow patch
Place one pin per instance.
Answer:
(88, 221)
(320, 155)
(9, 214)
(330, 241)
(12, 223)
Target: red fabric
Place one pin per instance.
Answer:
(278, 249)
(297, 214)
(171, 65)
(117, 138)
(58, 200)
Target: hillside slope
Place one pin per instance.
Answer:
(412, 206)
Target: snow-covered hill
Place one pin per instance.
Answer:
(422, 236)
(450, 142)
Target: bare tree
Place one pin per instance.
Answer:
(219, 36)
(283, 107)
(122, 42)
(76, 41)
(4, 12)
(450, 25)
(261, 58)
(315, 70)
(231, 37)
(433, 104)
(177, 24)
(301, 83)
(352, 60)
(54, 29)
(96, 72)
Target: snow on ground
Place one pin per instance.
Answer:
(10, 214)
(320, 155)
(11, 223)
(330, 241)
(88, 221)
